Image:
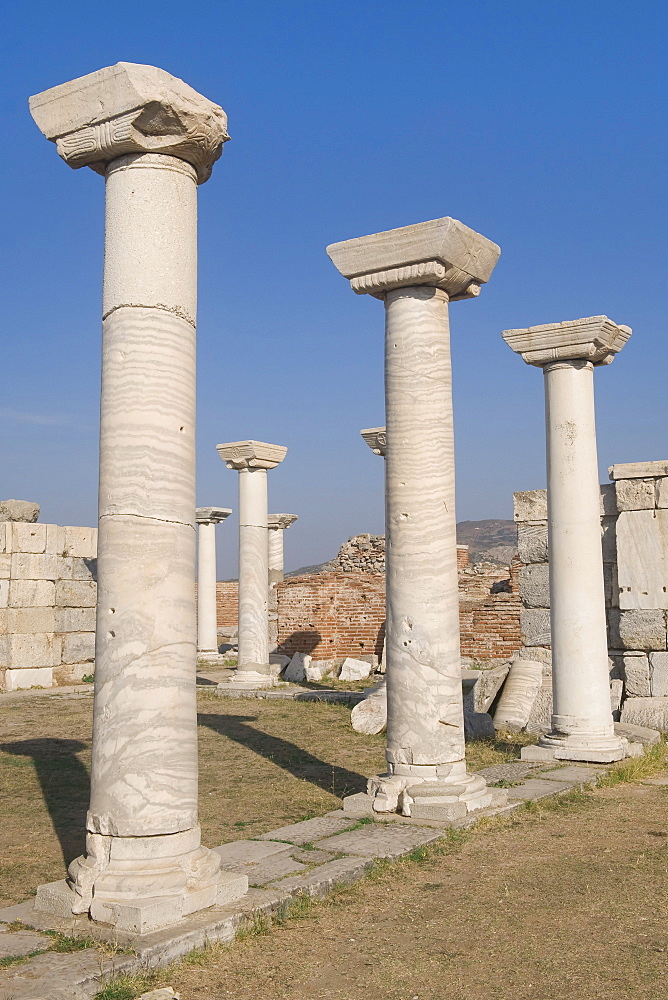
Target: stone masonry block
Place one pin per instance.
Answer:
(650, 712)
(5, 535)
(636, 675)
(535, 626)
(55, 539)
(535, 585)
(72, 673)
(4, 593)
(32, 594)
(609, 538)
(610, 585)
(635, 494)
(658, 673)
(608, 499)
(17, 680)
(75, 620)
(27, 620)
(661, 493)
(32, 566)
(532, 541)
(79, 647)
(75, 594)
(5, 565)
(642, 559)
(80, 542)
(22, 652)
(28, 537)
(530, 505)
(77, 568)
(639, 630)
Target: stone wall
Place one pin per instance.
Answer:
(634, 540)
(366, 554)
(47, 604)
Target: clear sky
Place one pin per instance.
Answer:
(540, 125)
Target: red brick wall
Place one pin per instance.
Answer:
(227, 605)
(490, 629)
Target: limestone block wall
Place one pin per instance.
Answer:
(47, 604)
(634, 540)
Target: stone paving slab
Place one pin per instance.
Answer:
(515, 770)
(655, 781)
(310, 830)
(538, 788)
(292, 694)
(21, 942)
(311, 857)
(319, 881)
(249, 851)
(376, 841)
(73, 974)
(574, 773)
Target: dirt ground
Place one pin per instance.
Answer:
(263, 764)
(567, 902)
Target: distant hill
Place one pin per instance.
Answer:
(488, 541)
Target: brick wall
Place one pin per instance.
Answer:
(227, 605)
(490, 629)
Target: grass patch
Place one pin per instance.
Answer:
(254, 927)
(127, 987)
(653, 761)
(10, 960)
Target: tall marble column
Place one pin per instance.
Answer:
(582, 723)
(277, 523)
(207, 622)
(154, 139)
(252, 459)
(417, 271)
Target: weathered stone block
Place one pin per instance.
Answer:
(308, 830)
(354, 670)
(25, 651)
(640, 630)
(5, 536)
(18, 510)
(55, 539)
(536, 653)
(532, 541)
(488, 686)
(535, 626)
(642, 559)
(638, 470)
(81, 542)
(4, 593)
(76, 594)
(608, 497)
(616, 692)
(5, 565)
(79, 647)
(32, 566)
(32, 594)
(662, 492)
(296, 668)
(658, 673)
(540, 716)
(17, 680)
(76, 568)
(637, 734)
(649, 712)
(635, 494)
(27, 620)
(530, 505)
(522, 685)
(535, 585)
(636, 675)
(28, 537)
(610, 585)
(75, 620)
(72, 673)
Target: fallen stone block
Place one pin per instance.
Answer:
(317, 669)
(651, 713)
(354, 670)
(370, 715)
(478, 726)
(295, 672)
(637, 734)
(487, 686)
(520, 690)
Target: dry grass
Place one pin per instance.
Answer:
(263, 764)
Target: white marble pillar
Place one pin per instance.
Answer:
(277, 524)
(582, 724)
(252, 459)
(154, 139)
(207, 620)
(417, 271)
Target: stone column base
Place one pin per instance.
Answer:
(140, 884)
(251, 677)
(592, 749)
(446, 798)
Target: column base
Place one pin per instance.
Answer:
(250, 677)
(139, 884)
(444, 792)
(590, 747)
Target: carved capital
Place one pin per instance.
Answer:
(442, 253)
(376, 438)
(280, 521)
(595, 339)
(251, 454)
(211, 515)
(130, 108)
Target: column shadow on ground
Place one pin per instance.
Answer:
(65, 785)
(288, 756)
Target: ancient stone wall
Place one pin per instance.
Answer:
(366, 554)
(47, 604)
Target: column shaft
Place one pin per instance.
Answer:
(425, 715)
(276, 555)
(253, 570)
(580, 675)
(144, 764)
(207, 624)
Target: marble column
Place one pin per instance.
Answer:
(252, 460)
(277, 523)
(207, 621)
(154, 139)
(582, 723)
(417, 271)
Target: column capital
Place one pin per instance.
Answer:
(251, 454)
(443, 253)
(211, 515)
(130, 108)
(595, 339)
(376, 438)
(283, 521)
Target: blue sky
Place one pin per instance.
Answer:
(541, 125)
